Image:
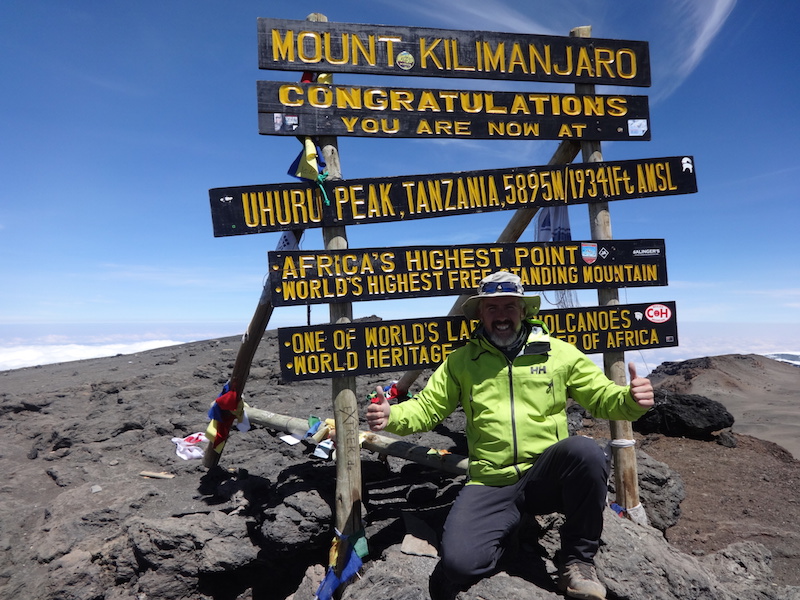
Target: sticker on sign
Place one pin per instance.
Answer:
(658, 313)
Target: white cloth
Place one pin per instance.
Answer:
(189, 447)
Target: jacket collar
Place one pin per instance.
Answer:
(537, 342)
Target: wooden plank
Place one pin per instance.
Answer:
(288, 206)
(315, 277)
(360, 348)
(291, 45)
(374, 442)
(288, 108)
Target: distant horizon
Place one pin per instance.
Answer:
(35, 344)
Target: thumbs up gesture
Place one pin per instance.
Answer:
(641, 388)
(378, 411)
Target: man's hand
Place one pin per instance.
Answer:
(378, 411)
(641, 388)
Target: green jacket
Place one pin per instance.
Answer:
(514, 410)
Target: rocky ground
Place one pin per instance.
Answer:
(82, 515)
(751, 491)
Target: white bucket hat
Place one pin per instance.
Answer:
(496, 285)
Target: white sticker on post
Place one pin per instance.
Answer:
(637, 127)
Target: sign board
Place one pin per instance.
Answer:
(330, 276)
(315, 109)
(287, 206)
(361, 348)
(420, 51)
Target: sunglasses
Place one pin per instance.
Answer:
(496, 287)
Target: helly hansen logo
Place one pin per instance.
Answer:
(539, 370)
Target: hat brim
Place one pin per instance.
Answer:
(471, 304)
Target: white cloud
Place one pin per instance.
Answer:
(683, 37)
(16, 357)
(680, 32)
(713, 339)
(174, 277)
(706, 19)
(776, 293)
(488, 15)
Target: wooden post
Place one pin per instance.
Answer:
(345, 403)
(626, 479)
(565, 153)
(244, 359)
(348, 453)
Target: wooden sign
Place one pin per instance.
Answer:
(360, 348)
(315, 109)
(287, 206)
(420, 51)
(329, 276)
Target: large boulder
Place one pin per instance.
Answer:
(684, 415)
(635, 562)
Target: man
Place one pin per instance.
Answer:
(512, 381)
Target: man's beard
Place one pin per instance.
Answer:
(504, 338)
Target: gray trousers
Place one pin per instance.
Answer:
(570, 477)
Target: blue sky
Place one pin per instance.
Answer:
(117, 118)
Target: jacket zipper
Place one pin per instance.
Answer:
(513, 417)
(553, 400)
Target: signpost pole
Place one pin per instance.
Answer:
(343, 389)
(565, 153)
(244, 358)
(626, 480)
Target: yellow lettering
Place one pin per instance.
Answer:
(348, 98)
(401, 100)
(584, 64)
(424, 127)
(326, 37)
(285, 93)
(626, 59)
(375, 99)
(604, 60)
(350, 123)
(282, 49)
(315, 47)
(428, 102)
(426, 52)
(545, 62)
(320, 96)
(491, 108)
(519, 105)
(617, 106)
(367, 53)
(517, 59)
(471, 102)
(494, 61)
(462, 127)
